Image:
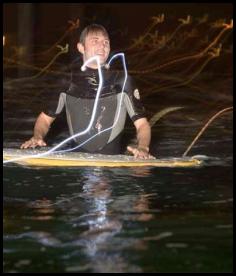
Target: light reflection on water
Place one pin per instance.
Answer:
(117, 220)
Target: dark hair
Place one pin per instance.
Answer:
(93, 28)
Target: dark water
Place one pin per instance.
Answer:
(124, 219)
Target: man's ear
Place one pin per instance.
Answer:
(80, 47)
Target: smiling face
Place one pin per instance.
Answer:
(95, 44)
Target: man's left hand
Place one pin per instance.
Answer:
(140, 152)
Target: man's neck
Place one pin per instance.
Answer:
(93, 66)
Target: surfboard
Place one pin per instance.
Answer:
(31, 157)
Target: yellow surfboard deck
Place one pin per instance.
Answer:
(76, 159)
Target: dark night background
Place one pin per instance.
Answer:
(49, 20)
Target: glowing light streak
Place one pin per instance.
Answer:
(74, 25)
(119, 108)
(62, 51)
(155, 68)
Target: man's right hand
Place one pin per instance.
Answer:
(33, 142)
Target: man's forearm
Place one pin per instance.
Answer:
(144, 136)
(40, 131)
(41, 127)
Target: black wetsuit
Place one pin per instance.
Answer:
(113, 105)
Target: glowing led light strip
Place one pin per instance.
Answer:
(96, 58)
(119, 109)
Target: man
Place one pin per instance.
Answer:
(78, 102)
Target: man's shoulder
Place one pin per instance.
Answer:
(129, 82)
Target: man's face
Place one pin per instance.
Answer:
(96, 44)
